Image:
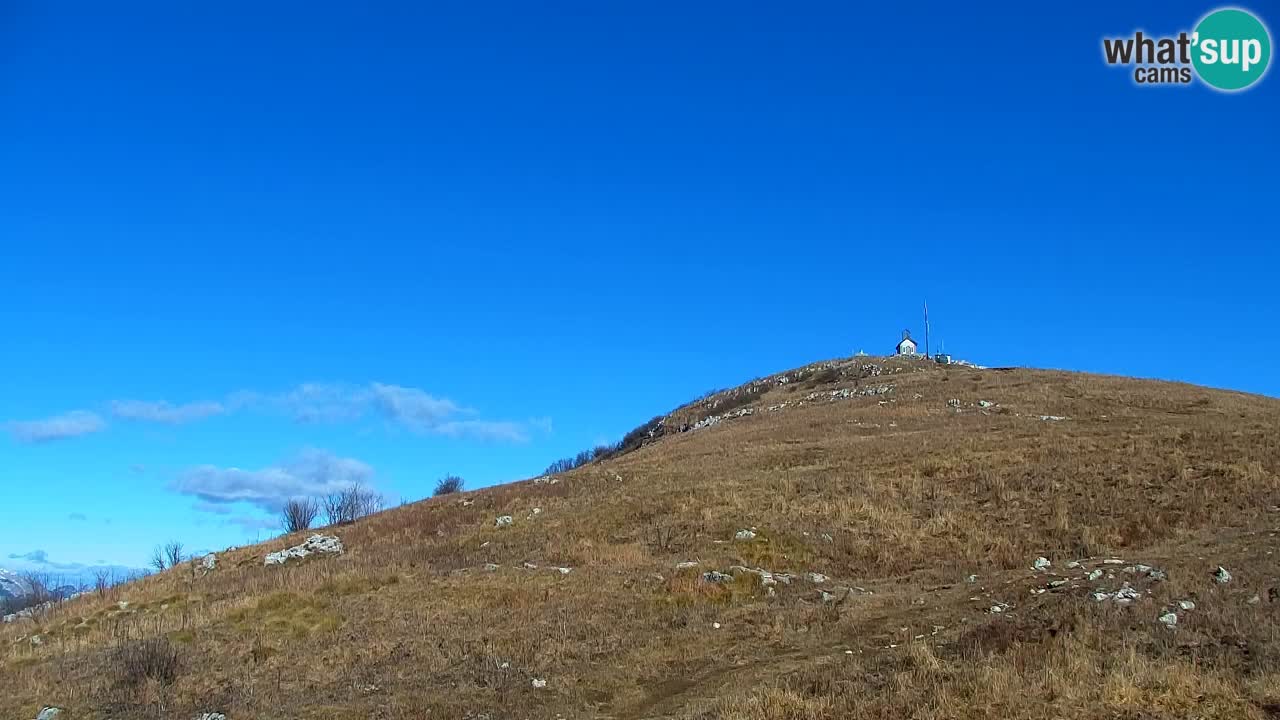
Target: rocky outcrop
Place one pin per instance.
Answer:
(314, 545)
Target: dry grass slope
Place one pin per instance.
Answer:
(899, 494)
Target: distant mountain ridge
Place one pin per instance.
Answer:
(12, 585)
(19, 571)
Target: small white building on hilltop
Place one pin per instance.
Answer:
(906, 346)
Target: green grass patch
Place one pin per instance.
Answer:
(778, 553)
(286, 614)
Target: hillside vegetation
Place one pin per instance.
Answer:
(870, 538)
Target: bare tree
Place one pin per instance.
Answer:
(448, 484)
(103, 579)
(43, 587)
(335, 508)
(351, 504)
(367, 502)
(173, 553)
(167, 556)
(298, 514)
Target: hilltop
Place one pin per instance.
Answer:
(858, 538)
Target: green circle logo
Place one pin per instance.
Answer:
(1232, 49)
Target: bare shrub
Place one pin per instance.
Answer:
(351, 504)
(167, 556)
(103, 579)
(299, 514)
(600, 452)
(448, 484)
(157, 559)
(173, 553)
(154, 660)
(42, 588)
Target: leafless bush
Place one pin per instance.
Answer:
(299, 514)
(167, 555)
(42, 588)
(351, 504)
(103, 579)
(173, 553)
(448, 484)
(599, 452)
(141, 660)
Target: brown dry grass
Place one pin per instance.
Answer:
(898, 494)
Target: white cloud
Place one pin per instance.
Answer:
(405, 407)
(412, 408)
(318, 402)
(311, 473)
(35, 556)
(485, 430)
(164, 412)
(253, 523)
(38, 563)
(59, 427)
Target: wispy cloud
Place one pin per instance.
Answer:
(35, 556)
(409, 408)
(309, 402)
(165, 412)
(502, 430)
(73, 573)
(254, 523)
(311, 473)
(58, 427)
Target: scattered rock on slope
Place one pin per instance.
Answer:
(316, 544)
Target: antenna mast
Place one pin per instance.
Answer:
(926, 329)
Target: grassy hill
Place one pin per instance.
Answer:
(894, 513)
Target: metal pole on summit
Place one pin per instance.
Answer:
(926, 329)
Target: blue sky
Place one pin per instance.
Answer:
(251, 248)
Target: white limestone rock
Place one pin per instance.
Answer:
(314, 545)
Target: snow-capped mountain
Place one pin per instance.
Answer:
(12, 585)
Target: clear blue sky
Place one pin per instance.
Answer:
(255, 246)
